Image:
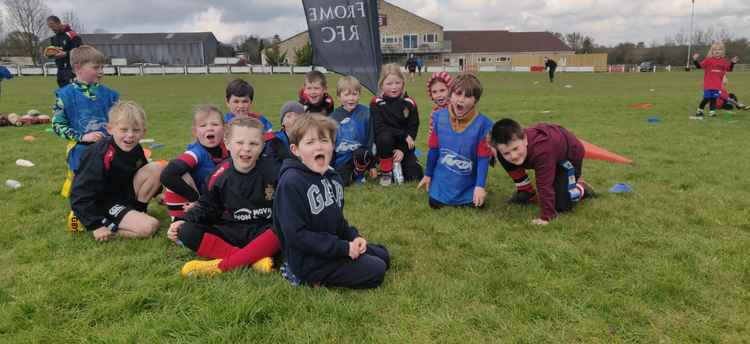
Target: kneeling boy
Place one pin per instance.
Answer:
(319, 246)
(555, 155)
(459, 155)
(114, 182)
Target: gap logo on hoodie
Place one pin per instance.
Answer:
(320, 199)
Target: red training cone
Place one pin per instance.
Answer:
(595, 152)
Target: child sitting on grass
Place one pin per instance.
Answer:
(231, 221)
(115, 182)
(319, 245)
(555, 155)
(396, 122)
(240, 96)
(314, 94)
(185, 177)
(729, 101)
(459, 154)
(354, 136)
(278, 147)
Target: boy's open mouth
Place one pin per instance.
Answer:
(211, 136)
(321, 158)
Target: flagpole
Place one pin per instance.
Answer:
(690, 39)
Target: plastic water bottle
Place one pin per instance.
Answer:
(13, 184)
(398, 173)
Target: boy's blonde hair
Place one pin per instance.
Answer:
(716, 45)
(348, 83)
(391, 69)
(206, 110)
(324, 126)
(87, 54)
(244, 122)
(127, 111)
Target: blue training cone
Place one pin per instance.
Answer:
(621, 188)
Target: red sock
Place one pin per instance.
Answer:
(265, 245)
(175, 203)
(215, 247)
(386, 165)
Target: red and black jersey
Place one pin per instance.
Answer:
(325, 106)
(104, 179)
(396, 115)
(243, 200)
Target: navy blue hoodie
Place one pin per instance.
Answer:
(308, 218)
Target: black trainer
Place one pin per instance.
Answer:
(521, 198)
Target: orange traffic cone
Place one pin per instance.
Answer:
(595, 152)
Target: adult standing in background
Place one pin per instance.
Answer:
(551, 65)
(66, 39)
(411, 66)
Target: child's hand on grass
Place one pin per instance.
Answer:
(426, 180)
(174, 229)
(373, 173)
(410, 142)
(479, 195)
(398, 155)
(361, 244)
(92, 137)
(540, 222)
(103, 234)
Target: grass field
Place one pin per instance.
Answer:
(668, 263)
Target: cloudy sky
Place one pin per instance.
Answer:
(607, 21)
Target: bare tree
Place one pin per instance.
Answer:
(30, 18)
(574, 40)
(587, 46)
(74, 21)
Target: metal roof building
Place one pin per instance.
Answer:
(179, 48)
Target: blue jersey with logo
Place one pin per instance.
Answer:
(85, 115)
(267, 125)
(202, 163)
(455, 174)
(354, 132)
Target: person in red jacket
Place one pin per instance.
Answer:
(729, 101)
(715, 66)
(555, 155)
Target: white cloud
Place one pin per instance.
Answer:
(607, 21)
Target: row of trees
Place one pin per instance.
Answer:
(24, 27)
(673, 50)
(252, 46)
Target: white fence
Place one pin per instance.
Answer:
(47, 70)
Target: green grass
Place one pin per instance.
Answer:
(668, 263)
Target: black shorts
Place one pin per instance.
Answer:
(114, 214)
